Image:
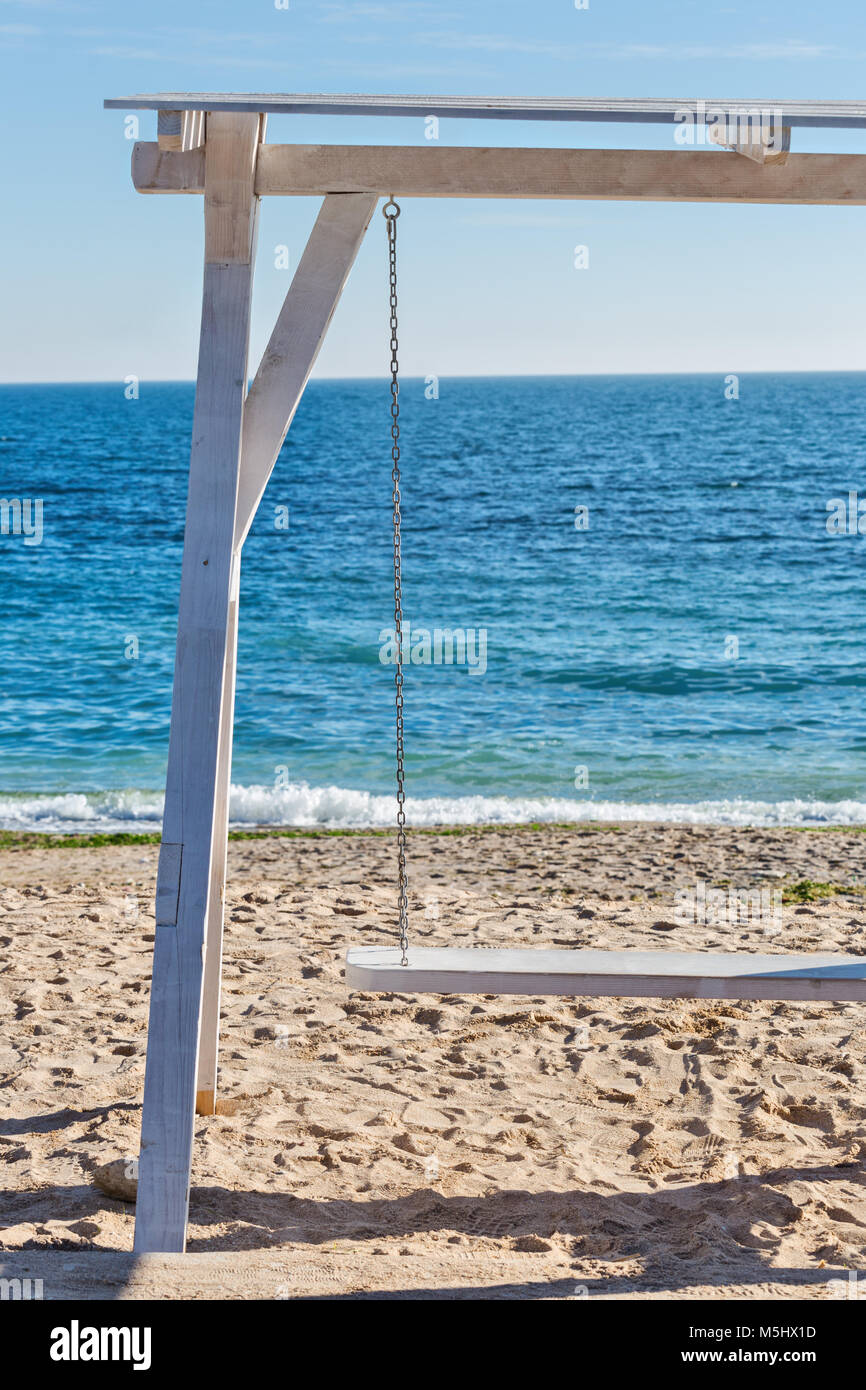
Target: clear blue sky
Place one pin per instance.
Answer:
(101, 282)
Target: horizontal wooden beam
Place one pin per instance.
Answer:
(689, 176)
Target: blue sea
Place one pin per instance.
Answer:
(659, 624)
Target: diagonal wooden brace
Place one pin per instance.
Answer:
(294, 344)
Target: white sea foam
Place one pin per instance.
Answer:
(341, 807)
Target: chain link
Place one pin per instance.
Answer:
(391, 212)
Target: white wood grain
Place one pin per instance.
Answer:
(230, 215)
(659, 110)
(630, 974)
(294, 344)
(208, 1052)
(199, 684)
(689, 176)
(155, 170)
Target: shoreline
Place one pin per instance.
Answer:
(36, 839)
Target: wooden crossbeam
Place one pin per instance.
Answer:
(689, 176)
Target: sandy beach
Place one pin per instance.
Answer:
(459, 1146)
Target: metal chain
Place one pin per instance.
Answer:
(391, 212)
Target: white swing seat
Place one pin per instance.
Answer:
(630, 974)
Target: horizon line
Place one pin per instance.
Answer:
(474, 376)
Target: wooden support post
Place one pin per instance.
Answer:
(208, 1052)
(189, 857)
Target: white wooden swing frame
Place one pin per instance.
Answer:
(213, 144)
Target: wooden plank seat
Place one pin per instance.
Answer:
(636, 974)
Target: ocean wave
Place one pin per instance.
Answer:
(306, 807)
